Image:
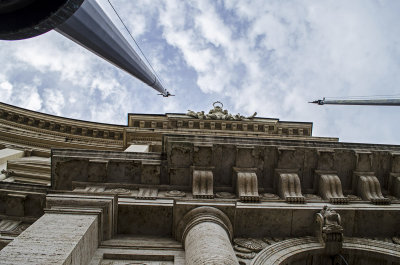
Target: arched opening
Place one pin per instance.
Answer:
(309, 251)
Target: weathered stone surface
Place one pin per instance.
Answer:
(208, 243)
(330, 188)
(289, 187)
(75, 243)
(203, 183)
(247, 185)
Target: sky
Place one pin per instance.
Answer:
(271, 57)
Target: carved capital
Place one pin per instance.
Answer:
(200, 215)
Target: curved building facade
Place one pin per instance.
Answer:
(196, 188)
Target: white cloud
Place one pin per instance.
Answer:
(265, 56)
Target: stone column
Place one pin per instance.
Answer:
(54, 239)
(206, 233)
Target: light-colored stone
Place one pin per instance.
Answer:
(68, 239)
(138, 148)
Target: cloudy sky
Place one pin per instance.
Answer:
(266, 56)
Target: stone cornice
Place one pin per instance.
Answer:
(257, 126)
(31, 123)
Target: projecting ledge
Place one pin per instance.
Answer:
(286, 220)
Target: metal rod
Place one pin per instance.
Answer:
(91, 28)
(369, 102)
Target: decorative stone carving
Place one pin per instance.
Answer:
(269, 196)
(225, 195)
(352, 197)
(202, 184)
(330, 231)
(247, 248)
(175, 193)
(394, 184)
(90, 189)
(119, 191)
(289, 187)
(7, 173)
(250, 244)
(330, 188)
(22, 227)
(147, 194)
(8, 225)
(247, 185)
(369, 188)
(217, 113)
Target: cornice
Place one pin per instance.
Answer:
(59, 126)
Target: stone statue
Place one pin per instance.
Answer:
(218, 113)
(330, 231)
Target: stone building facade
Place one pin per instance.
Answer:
(195, 188)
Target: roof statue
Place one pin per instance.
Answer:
(217, 113)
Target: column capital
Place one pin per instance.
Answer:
(203, 214)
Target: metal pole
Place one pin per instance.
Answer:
(369, 102)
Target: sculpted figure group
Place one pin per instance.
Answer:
(218, 114)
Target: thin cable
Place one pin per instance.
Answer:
(155, 73)
(343, 259)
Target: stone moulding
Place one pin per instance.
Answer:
(289, 187)
(59, 125)
(368, 188)
(247, 184)
(330, 188)
(202, 184)
(281, 252)
(199, 215)
(147, 194)
(104, 206)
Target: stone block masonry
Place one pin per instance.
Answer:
(54, 239)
